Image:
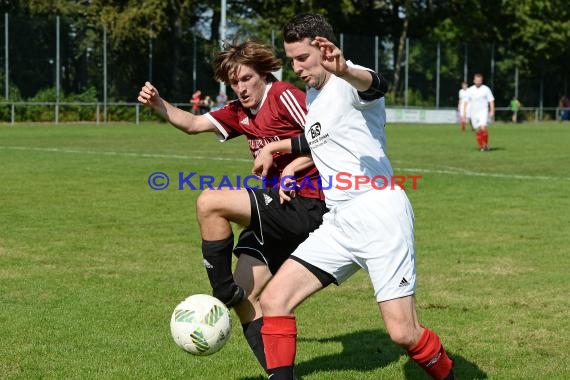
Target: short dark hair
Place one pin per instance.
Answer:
(260, 57)
(307, 25)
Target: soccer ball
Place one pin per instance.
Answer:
(200, 324)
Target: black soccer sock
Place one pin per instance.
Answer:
(282, 373)
(218, 262)
(252, 333)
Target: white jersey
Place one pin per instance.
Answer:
(479, 99)
(366, 228)
(347, 139)
(462, 100)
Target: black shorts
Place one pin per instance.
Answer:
(277, 229)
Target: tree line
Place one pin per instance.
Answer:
(160, 40)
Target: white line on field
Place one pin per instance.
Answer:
(126, 154)
(469, 173)
(450, 170)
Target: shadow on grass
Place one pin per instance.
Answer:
(361, 351)
(365, 351)
(491, 149)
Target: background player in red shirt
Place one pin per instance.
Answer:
(266, 110)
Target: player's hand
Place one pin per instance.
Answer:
(288, 184)
(262, 163)
(332, 58)
(149, 95)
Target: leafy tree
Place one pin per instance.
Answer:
(157, 38)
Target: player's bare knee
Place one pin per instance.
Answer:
(265, 302)
(206, 203)
(269, 302)
(404, 337)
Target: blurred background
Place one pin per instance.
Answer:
(86, 60)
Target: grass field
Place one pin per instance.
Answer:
(93, 261)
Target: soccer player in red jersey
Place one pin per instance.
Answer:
(265, 110)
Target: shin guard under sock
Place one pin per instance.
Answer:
(431, 356)
(479, 136)
(280, 340)
(218, 262)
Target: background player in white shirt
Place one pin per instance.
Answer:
(461, 107)
(266, 110)
(365, 228)
(481, 105)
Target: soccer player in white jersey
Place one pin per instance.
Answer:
(266, 110)
(481, 105)
(365, 227)
(461, 108)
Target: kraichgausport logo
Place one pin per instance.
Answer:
(340, 181)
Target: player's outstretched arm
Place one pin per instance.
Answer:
(334, 62)
(183, 120)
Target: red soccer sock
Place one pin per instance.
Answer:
(480, 141)
(280, 340)
(485, 135)
(431, 356)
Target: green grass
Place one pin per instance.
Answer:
(92, 261)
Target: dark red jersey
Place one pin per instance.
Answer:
(281, 115)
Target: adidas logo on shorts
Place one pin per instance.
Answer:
(267, 198)
(404, 282)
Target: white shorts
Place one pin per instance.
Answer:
(375, 232)
(480, 119)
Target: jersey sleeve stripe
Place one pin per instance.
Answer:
(293, 107)
(221, 132)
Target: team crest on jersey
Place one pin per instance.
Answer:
(315, 130)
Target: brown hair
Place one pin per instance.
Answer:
(307, 25)
(260, 57)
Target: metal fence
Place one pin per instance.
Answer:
(63, 64)
(133, 112)
(93, 112)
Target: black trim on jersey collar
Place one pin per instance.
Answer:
(300, 145)
(377, 89)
